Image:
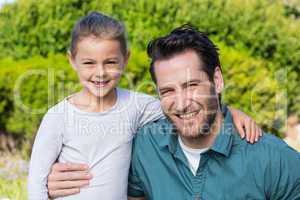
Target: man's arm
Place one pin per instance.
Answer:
(135, 184)
(67, 179)
(135, 189)
(284, 174)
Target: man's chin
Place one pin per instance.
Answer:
(193, 135)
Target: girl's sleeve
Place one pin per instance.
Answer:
(46, 149)
(149, 109)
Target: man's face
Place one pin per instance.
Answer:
(188, 98)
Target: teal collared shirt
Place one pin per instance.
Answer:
(231, 169)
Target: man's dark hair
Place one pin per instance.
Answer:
(181, 39)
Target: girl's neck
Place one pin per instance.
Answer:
(88, 102)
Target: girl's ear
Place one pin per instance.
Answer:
(218, 80)
(126, 59)
(71, 60)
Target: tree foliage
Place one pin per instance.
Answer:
(259, 42)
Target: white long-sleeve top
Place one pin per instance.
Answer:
(102, 140)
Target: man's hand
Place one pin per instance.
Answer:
(67, 179)
(136, 198)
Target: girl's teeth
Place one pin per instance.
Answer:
(100, 82)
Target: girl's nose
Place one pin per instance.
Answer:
(101, 71)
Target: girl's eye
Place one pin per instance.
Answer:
(88, 63)
(112, 62)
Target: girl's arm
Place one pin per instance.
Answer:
(46, 149)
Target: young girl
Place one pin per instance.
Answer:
(96, 125)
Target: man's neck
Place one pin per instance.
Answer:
(208, 139)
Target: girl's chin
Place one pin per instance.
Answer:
(100, 93)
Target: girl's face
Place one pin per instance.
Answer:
(99, 64)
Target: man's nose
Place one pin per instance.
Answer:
(181, 102)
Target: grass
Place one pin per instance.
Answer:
(13, 176)
(13, 189)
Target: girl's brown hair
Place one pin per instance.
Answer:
(101, 26)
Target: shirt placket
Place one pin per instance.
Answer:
(199, 180)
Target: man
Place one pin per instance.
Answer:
(195, 153)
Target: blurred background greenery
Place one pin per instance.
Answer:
(259, 43)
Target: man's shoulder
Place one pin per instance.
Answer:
(277, 145)
(270, 147)
(271, 141)
(154, 131)
(154, 128)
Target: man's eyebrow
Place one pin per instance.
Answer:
(197, 81)
(194, 81)
(165, 88)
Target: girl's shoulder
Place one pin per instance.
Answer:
(57, 112)
(130, 96)
(55, 116)
(58, 108)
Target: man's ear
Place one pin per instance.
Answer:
(71, 60)
(218, 80)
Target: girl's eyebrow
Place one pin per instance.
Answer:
(87, 59)
(112, 58)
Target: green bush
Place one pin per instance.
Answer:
(31, 86)
(259, 41)
(253, 87)
(265, 28)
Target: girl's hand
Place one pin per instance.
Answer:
(246, 126)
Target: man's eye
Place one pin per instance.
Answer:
(164, 93)
(193, 84)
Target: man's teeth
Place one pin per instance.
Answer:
(188, 115)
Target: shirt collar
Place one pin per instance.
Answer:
(223, 141)
(169, 136)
